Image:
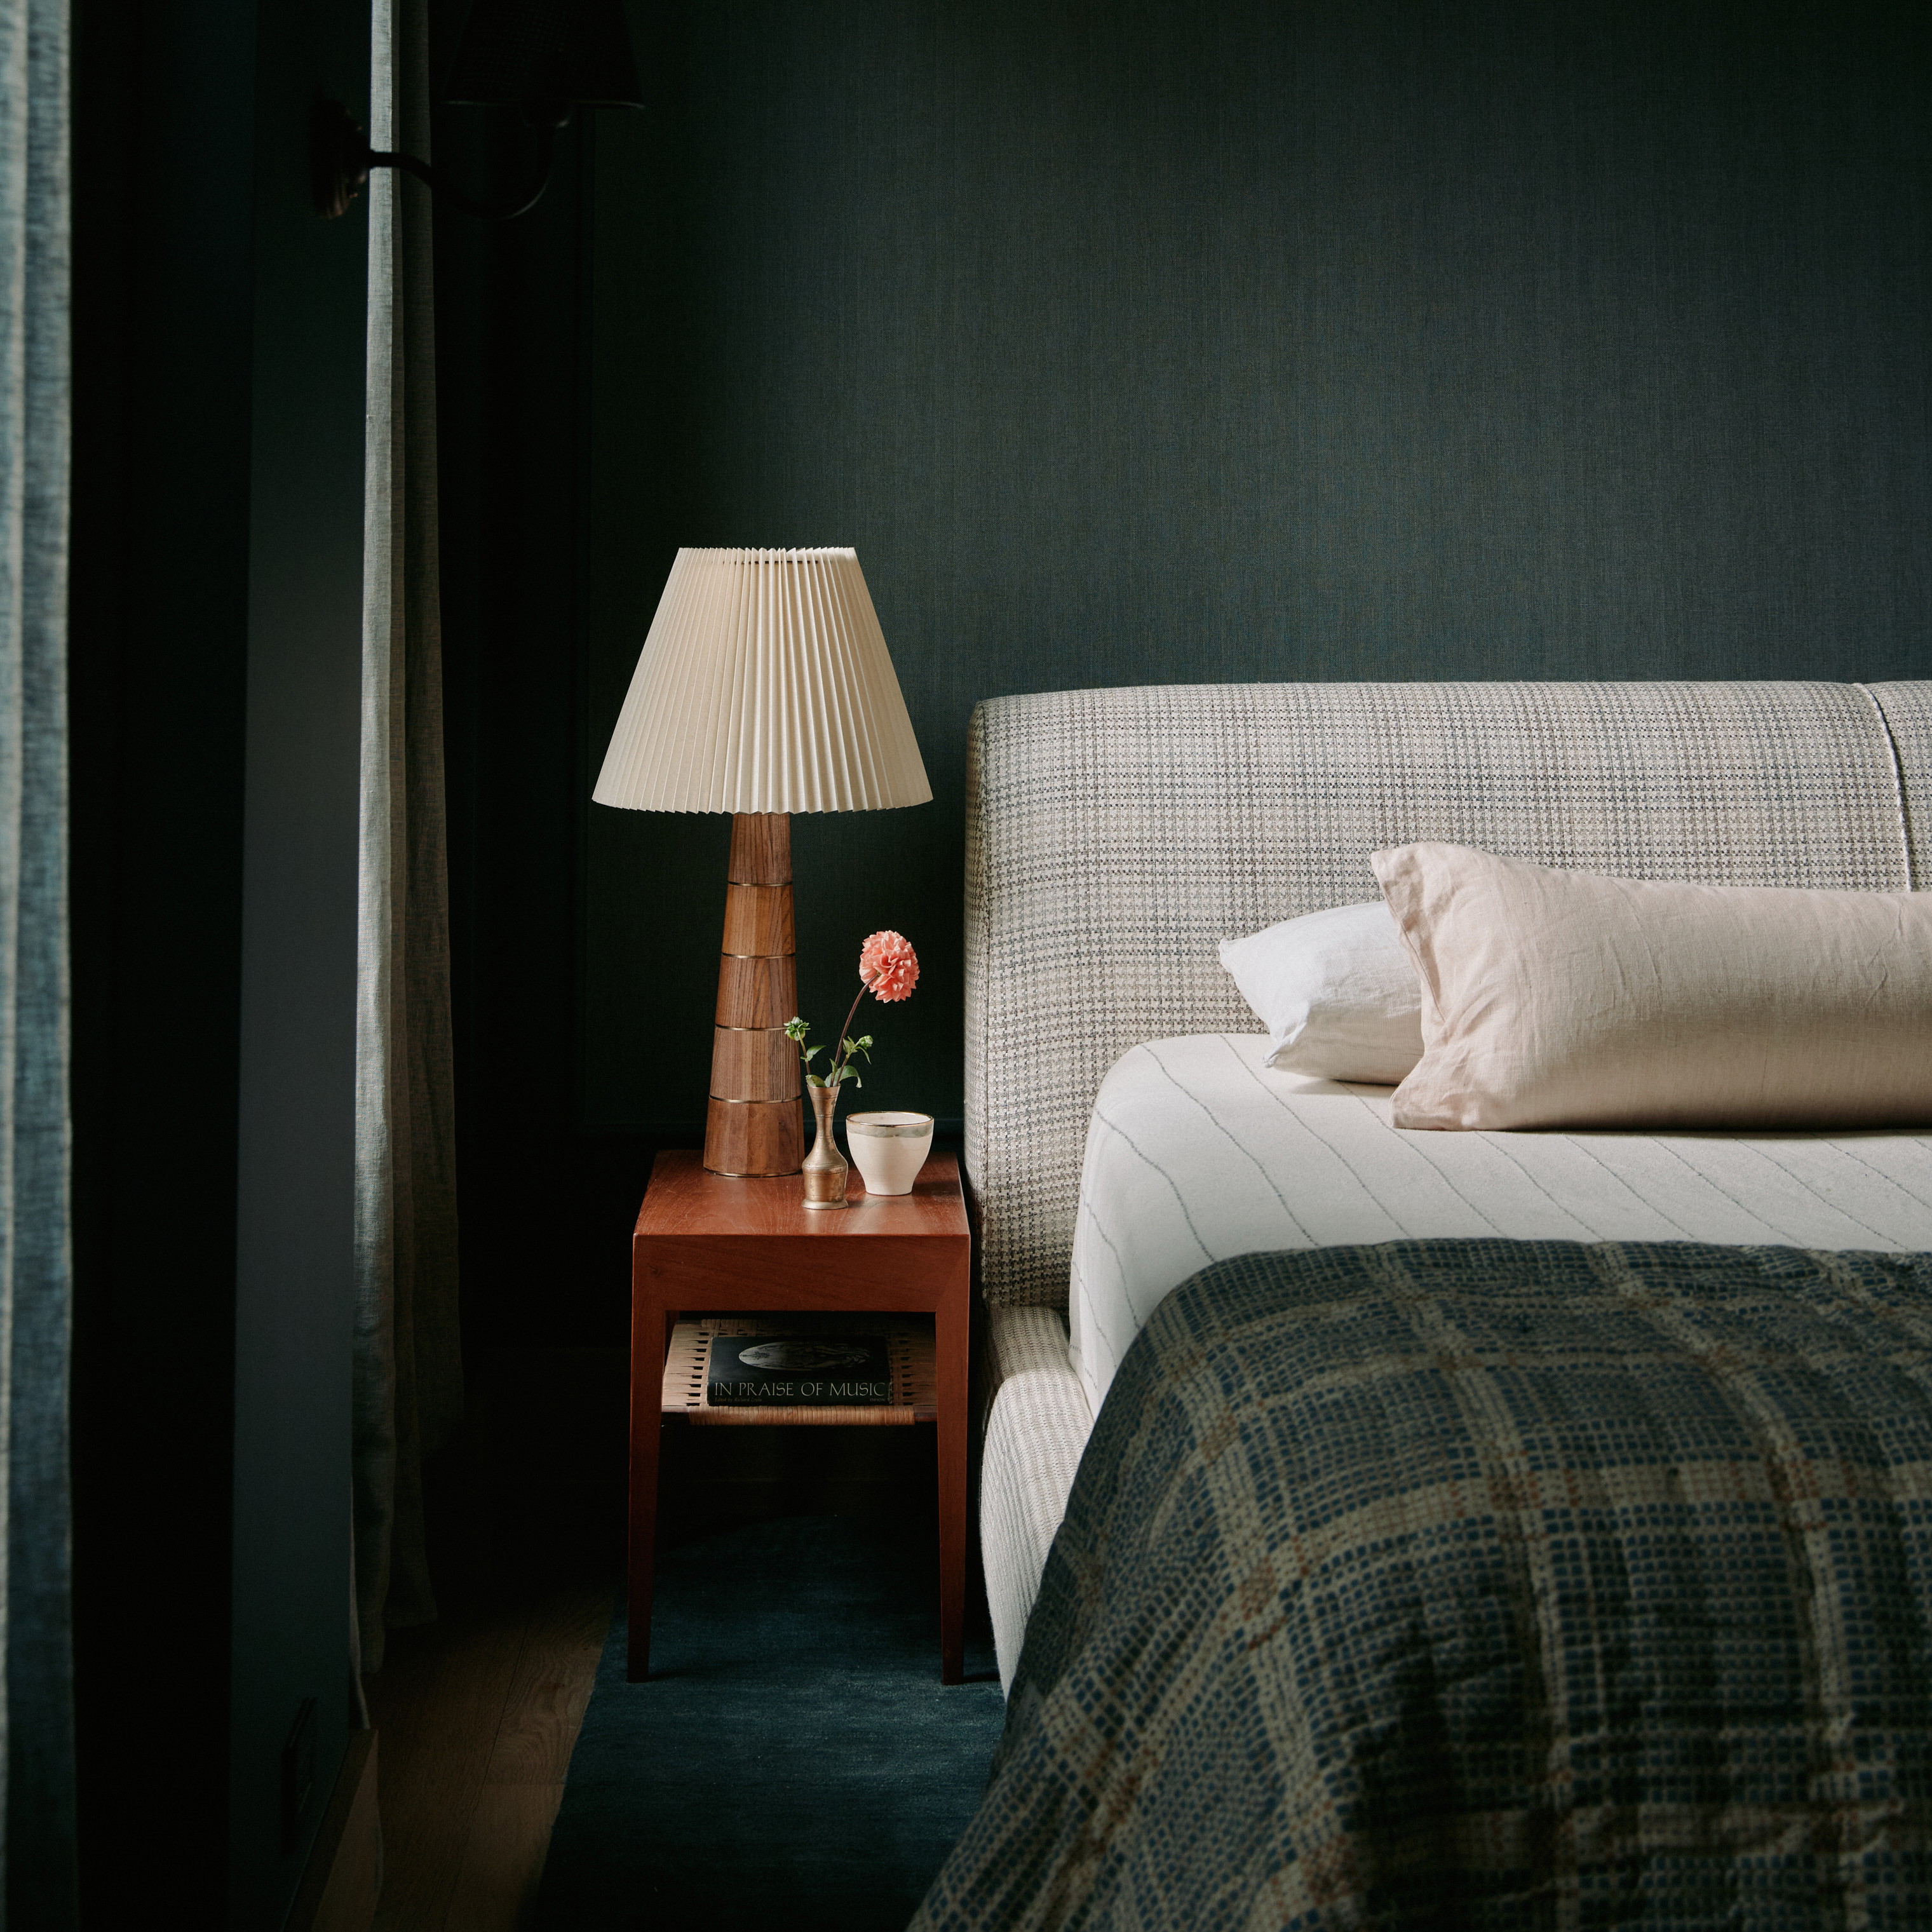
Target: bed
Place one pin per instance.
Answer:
(1123, 1138)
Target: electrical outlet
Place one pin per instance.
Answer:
(297, 1774)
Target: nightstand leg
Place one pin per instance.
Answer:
(647, 1366)
(949, 1327)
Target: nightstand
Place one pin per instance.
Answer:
(708, 1244)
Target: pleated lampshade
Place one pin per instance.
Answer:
(764, 686)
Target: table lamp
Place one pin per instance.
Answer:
(764, 687)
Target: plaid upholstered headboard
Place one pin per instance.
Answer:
(1113, 836)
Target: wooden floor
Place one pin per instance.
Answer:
(475, 1716)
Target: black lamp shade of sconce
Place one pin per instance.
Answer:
(545, 55)
(545, 58)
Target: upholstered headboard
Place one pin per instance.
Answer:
(1113, 836)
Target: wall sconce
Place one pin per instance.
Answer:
(547, 58)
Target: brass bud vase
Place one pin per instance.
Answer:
(825, 1167)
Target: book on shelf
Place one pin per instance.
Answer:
(798, 1371)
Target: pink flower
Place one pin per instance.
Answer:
(889, 966)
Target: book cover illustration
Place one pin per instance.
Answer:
(747, 1371)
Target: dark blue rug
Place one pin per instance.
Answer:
(793, 1761)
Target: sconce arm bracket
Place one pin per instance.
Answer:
(340, 157)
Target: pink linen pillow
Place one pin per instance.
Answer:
(1568, 999)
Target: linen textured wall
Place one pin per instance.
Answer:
(36, 1236)
(1163, 342)
(408, 1381)
(1153, 342)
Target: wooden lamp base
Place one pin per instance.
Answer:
(753, 1125)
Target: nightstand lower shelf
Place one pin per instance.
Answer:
(707, 1242)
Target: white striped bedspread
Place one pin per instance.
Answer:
(1197, 1151)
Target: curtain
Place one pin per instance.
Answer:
(408, 1384)
(36, 1628)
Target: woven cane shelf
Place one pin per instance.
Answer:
(909, 1357)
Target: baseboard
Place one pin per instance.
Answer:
(343, 1877)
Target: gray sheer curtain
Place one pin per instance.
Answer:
(409, 1389)
(36, 1626)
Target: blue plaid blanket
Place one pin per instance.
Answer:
(1486, 1584)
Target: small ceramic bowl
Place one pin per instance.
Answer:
(888, 1149)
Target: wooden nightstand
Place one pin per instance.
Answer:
(707, 1244)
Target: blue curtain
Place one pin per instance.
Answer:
(37, 1696)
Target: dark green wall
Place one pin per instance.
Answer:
(295, 1180)
(1167, 342)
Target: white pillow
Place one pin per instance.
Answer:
(1336, 991)
(1555, 999)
